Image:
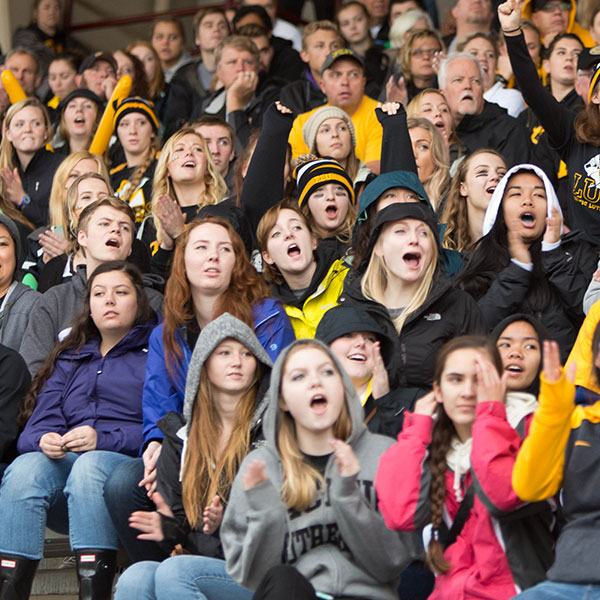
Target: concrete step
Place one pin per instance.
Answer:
(56, 576)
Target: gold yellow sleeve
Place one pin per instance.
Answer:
(538, 471)
(582, 350)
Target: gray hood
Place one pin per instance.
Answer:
(223, 327)
(272, 413)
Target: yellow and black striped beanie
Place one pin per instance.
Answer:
(315, 173)
(135, 105)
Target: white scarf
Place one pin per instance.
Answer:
(518, 406)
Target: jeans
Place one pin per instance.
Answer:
(123, 496)
(184, 577)
(553, 590)
(64, 493)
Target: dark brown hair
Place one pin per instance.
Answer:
(443, 431)
(84, 329)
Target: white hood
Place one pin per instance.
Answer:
(492, 210)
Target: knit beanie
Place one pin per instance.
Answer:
(313, 174)
(309, 131)
(135, 105)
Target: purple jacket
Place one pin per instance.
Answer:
(105, 393)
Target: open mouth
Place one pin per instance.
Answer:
(318, 404)
(190, 164)
(513, 369)
(79, 120)
(331, 211)
(294, 250)
(528, 219)
(358, 357)
(412, 260)
(212, 271)
(113, 243)
(491, 189)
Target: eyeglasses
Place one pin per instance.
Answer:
(552, 6)
(421, 51)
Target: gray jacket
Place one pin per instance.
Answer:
(341, 543)
(14, 313)
(53, 314)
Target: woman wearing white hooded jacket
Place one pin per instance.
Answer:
(302, 512)
(525, 263)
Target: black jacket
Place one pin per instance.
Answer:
(185, 92)
(37, 182)
(242, 121)
(177, 530)
(286, 63)
(495, 128)
(445, 314)
(14, 383)
(302, 95)
(568, 270)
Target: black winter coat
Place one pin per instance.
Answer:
(177, 530)
(445, 314)
(495, 128)
(37, 183)
(302, 95)
(568, 270)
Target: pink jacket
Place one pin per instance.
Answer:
(479, 568)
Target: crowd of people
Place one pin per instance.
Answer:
(285, 314)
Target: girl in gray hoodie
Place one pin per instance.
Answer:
(302, 512)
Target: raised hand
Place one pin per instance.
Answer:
(390, 108)
(345, 458)
(255, 474)
(13, 186)
(395, 91)
(381, 384)
(52, 244)
(553, 223)
(426, 405)
(509, 15)
(552, 366)
(172, 220)
(490, 386)
(517, 248)
(213, 515)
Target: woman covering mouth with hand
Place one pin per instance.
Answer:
(524, 263)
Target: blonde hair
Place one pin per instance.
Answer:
(404, 54)
(70, 226)
(375, 279)
(7, 151)
(58, 194)
(301, 481)
(215, 188)
(436, 185)
(208, 472)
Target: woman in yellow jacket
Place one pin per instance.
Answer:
(560, 453)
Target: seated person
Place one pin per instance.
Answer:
(76, 433)
(104, 232)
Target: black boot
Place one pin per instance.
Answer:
(95, 571)
(16, 576)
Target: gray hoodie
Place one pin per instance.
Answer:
(19, 299)
(341, 543)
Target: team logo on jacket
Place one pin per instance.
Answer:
(592, 168)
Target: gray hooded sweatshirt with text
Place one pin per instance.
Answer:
(340, 543)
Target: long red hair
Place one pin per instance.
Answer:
(245, 289)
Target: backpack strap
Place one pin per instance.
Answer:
(447, 537)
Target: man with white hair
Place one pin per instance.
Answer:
(479, 124)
